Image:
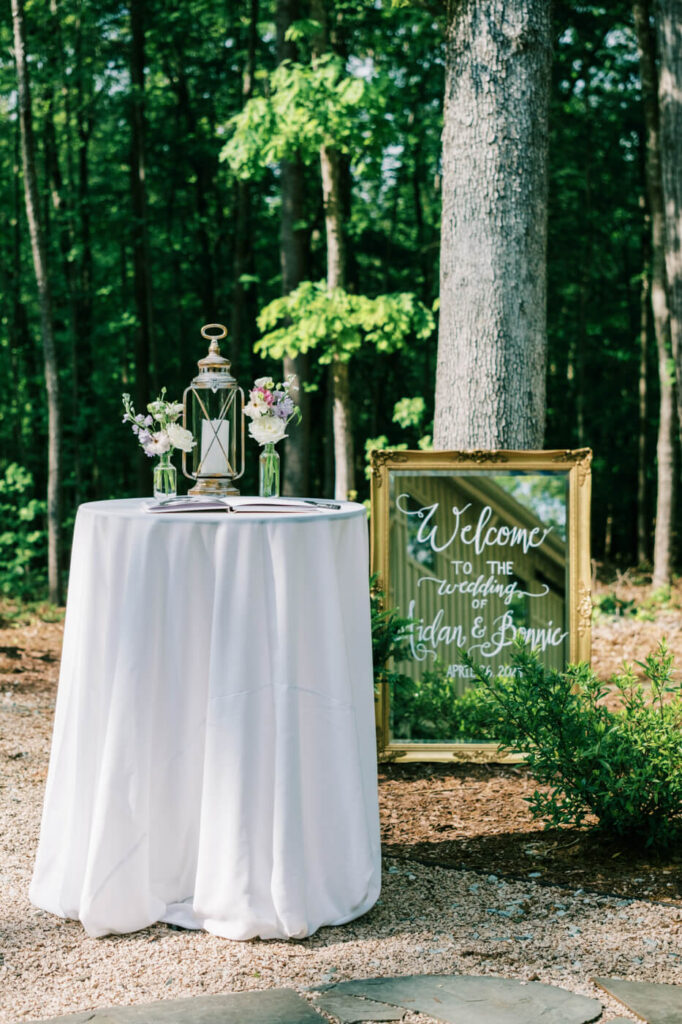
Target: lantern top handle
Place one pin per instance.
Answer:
(206, 332)
(214, 363)
(208, 328)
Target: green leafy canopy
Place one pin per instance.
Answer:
(307, 106)
(337, 322)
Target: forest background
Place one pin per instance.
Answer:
(157, 221)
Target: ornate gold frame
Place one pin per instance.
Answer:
(579, 600)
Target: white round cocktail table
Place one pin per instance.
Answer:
(213, 762)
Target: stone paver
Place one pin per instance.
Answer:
(354, 1010)
(73, 1018)
(459, 999)
(273, 1006)
(453, 999)
(655, 1003)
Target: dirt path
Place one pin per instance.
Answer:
(471, 884)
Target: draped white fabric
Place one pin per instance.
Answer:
(213, 760)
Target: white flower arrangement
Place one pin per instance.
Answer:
(270, 409)
(158, 432)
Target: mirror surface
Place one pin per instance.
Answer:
(476, 559)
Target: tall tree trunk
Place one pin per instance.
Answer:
(344, 458)
(84, 128)
(642, 531)
(669, 36)
(665, 448)
(39, 253)
(294, 263)
(62, 210)
(144, 354)
(17, 326)
(293, 251)
(490, 378)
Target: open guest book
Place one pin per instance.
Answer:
(239, 504)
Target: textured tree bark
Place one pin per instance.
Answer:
(642, 530)
(344, 455)
(293, 252)
(62, 210)
(669, 38)
(665, 447)
(665, 457)
(38, 250)
(490, 378)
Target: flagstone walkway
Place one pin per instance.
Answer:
(451, 999)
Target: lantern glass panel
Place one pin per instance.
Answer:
(213, 426)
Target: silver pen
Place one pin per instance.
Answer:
(320, 504)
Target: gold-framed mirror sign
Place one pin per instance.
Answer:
(476, 549)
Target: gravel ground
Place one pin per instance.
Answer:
(429, 919)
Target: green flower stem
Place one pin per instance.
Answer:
(268, 471)
(165, 477)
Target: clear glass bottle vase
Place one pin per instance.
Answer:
(165, 478)
(268, 471)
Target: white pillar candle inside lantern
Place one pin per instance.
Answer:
(213, 410)
(215, 446)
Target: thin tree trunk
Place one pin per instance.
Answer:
(38, 250)
(61, 206)
(344, 456)
(490, 378)
(642, 530)
(579, 344)
(665, 454)
(17, 326)
(344, 477)
(669, 37)
(665, 448)
(293, 250)
(138, 196)
(84, 128)
(293, 260)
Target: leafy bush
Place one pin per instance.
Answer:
(22, 537)
(431, 709)
(390, 635)
(610, 605)
(624, 768)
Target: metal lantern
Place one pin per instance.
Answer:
(213, 410)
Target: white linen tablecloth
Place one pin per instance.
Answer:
(213, 761)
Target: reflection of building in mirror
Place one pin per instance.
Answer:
(477, 560)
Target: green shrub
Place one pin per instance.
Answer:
(623, 767)
(390, 637)
(431, 709)
(22, 537)
(609, 605)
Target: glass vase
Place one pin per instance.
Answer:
(165, 478)
(268, 471)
